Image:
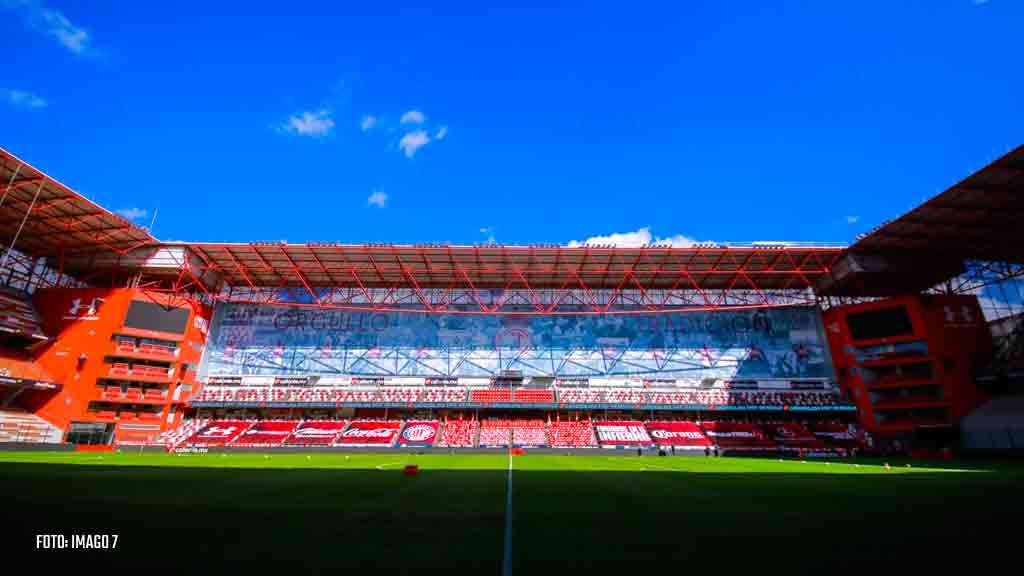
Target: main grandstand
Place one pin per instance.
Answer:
(114, 338)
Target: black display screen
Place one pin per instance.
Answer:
(149, 316)
(879, 323)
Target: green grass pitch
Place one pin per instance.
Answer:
(296, 513)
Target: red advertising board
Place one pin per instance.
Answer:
(419, 433)
(680, 434)
(370, 433)
(315, 433)
(622, 433)
(269, 433)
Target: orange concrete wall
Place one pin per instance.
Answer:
(953, 328)
(82, 323)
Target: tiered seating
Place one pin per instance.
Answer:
(344, 395)
(316, 433)
(16, 426)
(624, 396)
(444, 395)
(405, 395)
(370, 433)
(174, 437)
(580, 396)
(490, 395)
(527, 433)
(266, 433)
(616, 433)
(737, 436)
(156, 348)
(498, 432)
(459, 433)
(572, 434)
(494, 433)
(18, 316)
(219, 432)
(685, 435)
(18, 364)
(534, 395)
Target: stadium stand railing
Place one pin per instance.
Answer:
(409, 395)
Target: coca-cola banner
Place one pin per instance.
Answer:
(686, 434)
(370, 433)
(622, 433)
(418, 433)
(315, 433)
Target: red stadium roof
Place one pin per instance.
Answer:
(43, 217)
(974, 219)
(978, 218)
(487, 267)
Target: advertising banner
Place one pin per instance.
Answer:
(679, 434)
(419, 433)
(370, 433)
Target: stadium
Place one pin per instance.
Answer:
(499, 408)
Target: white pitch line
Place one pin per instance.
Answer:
(506, 563)
(381, 466)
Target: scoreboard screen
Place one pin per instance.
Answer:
(883, 323)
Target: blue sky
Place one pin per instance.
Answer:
(409, 122)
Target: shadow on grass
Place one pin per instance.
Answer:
(262, 521)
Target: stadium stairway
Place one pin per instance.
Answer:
(16, 426)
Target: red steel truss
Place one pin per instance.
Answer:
(504, 279)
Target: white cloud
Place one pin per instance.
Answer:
(368, 122)
(486, 230)
(413, 141)
(132, 213)
(852, 219)
(23, 99)
(53, 23)
(413, 117)
(641, 237)
(317, 123)
(378, 199)
(441, 133)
